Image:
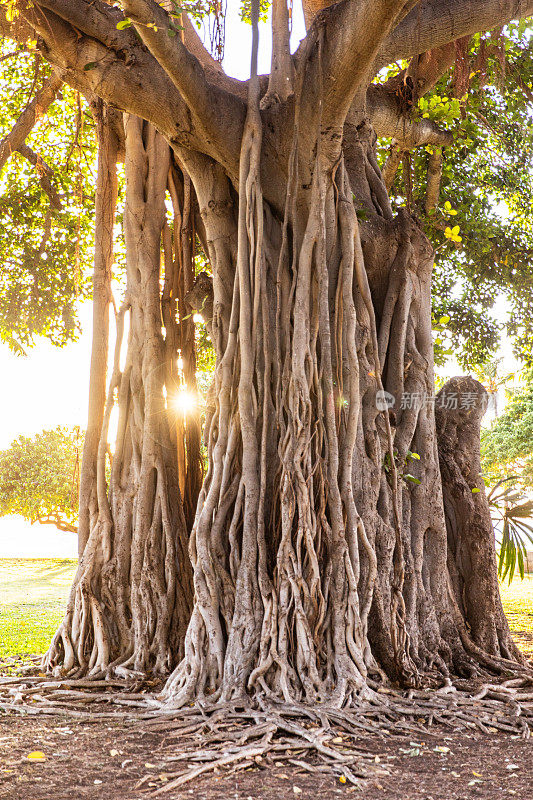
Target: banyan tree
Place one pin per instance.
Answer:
(316, 558)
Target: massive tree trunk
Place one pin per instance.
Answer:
(319, 563)
(320, 547)
(321, 557)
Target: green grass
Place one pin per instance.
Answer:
(517, 602)
(33, 594)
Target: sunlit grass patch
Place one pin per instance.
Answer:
(33, 595)
(518, 605)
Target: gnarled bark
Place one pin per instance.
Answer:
(461, 404)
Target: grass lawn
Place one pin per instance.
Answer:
(33, 593)
(518, 605)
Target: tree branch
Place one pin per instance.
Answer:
(154, 26)
(29, 117)
(434, 23)
(388, 120)
(67, 527)
(114, 65)
(280, 83)
(353, 34)
(433, 180)
(44, 172)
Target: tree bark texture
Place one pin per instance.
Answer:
(471, 551)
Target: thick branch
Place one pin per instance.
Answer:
(388, 103)
(387, 118)
(187, 74)
(31, 114)
(280, 82)
(353, 34)
(114, 65)
(433, 180)
(434, 23)
(61, 524)
(312, 7)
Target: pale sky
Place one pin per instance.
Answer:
(50, 386)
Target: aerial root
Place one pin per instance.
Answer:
(256, 732)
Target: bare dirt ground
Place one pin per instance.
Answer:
(121, 761)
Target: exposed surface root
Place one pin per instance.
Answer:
(319, 739)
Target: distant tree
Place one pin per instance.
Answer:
(39, 477)
(507, 464)
(507, 446)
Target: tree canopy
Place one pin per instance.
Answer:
(39, 477)
(507, 445)
(47, 151)
(484, 178)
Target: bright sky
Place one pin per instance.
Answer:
(49, 387)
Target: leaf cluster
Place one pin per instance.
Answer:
(482, 229)
(45, 246)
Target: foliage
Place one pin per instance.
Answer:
(489, 374)
(510, 509)
(507, 446)
(507, 463)
(45, 246)
(482, 228)
(39, 477)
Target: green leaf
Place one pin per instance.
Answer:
(90, 65)
(124, 23)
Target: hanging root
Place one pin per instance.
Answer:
(131, 598)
